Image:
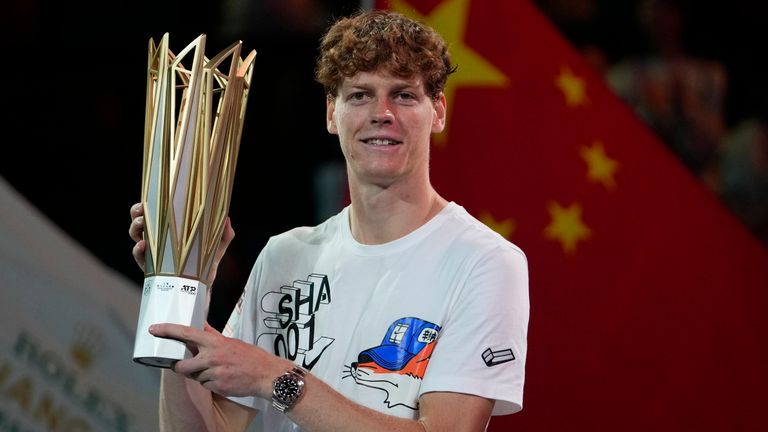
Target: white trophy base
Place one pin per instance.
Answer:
(167, 299)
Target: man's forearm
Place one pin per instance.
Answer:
(185, 406)
(322, 409)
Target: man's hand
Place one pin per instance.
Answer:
(223, 365)
(136, 231)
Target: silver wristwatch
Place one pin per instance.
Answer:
(288, 388)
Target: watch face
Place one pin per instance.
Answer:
(288, 388)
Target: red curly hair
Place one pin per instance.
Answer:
(377, 39)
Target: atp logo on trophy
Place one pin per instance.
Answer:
(193, 125)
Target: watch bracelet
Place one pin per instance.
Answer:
(299, 373)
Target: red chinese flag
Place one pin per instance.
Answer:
(649, 301)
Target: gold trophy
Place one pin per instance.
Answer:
(193, 125)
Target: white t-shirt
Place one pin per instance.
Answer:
(444, 308)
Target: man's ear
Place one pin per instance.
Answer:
(438, 122)
(330, 116)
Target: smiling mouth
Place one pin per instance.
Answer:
(381, 142)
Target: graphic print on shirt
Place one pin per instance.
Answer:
(495, 358)
(291, 317)
(397, 366)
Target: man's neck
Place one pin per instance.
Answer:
(381, 215)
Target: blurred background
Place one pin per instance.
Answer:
(693, 72)
(75, 94)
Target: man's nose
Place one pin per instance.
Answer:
(382, 112)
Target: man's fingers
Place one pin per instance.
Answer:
(229, 232)
(138, 253)
(210, 329)
(137, 210)
(137, 228)
(195, 368)
(226, 239)
(190, 368)
(181, 333)
(136, 232)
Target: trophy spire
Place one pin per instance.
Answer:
(193, 124)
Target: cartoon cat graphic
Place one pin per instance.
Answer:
(397, 366)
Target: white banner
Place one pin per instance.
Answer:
(67, 334)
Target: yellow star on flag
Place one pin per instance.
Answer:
(601, 168)
(566, 226)
(574, 88)
(449, 19)
(504, 227)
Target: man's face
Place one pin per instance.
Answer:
(384, 125)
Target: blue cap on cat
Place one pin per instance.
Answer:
(405, 339)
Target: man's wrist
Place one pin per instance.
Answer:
(288, 388)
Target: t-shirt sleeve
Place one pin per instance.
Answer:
(482, 346)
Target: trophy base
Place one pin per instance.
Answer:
(158, 362)
(167, 299)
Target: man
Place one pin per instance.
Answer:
(402, 312)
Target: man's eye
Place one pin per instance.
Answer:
(357, 96)
(405, 96)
